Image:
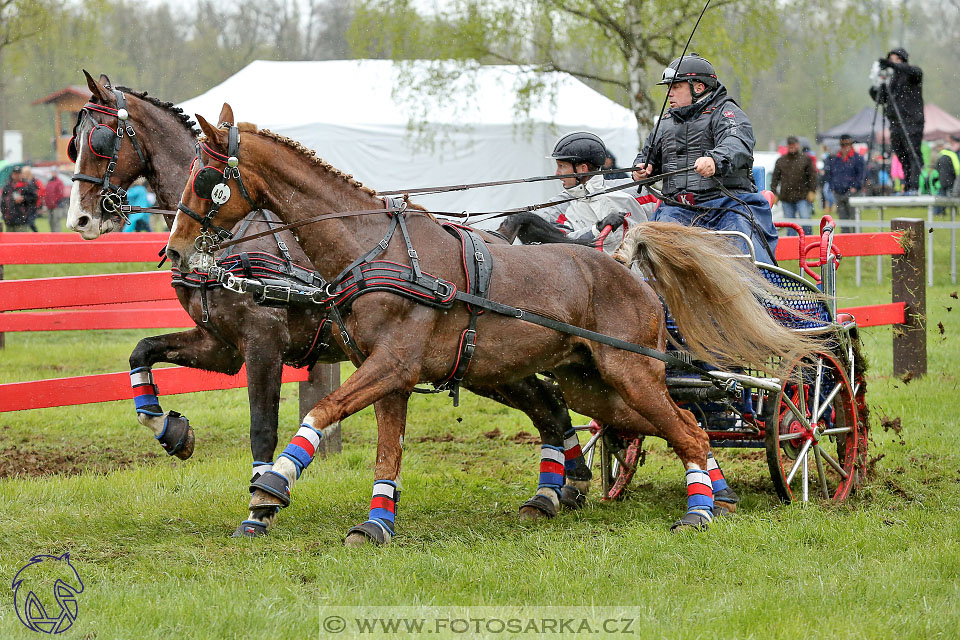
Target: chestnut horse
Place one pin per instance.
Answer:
(237, 330)
(404, 343)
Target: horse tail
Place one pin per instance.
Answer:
(716, 299)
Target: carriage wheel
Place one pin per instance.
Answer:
(815, 440)
(619, 458)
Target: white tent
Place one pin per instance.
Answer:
(357, 115)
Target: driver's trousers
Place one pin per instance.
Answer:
(726, 214)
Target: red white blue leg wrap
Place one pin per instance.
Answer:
(303, 447)
(699, 494)
(383, 505)
(571, 451)
(145, 392)
(717, 481)
(551, 468)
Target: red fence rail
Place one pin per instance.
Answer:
(140, 300)
(851, 245)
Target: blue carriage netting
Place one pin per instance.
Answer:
(813, 312)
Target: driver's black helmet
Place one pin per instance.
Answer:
(580, 146)
(690, 67)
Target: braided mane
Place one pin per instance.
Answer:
(167, 106)
(312, 156)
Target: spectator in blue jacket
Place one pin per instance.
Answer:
(845, 171)
(137, 196)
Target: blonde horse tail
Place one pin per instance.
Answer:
(714, 298)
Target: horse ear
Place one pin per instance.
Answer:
(96, 88)
(213, 134)
(226, 114)
(105, 81)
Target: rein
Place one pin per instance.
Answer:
(491, 215)
(498, 183)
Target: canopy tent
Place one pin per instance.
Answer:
(357, 115)
(938, 124)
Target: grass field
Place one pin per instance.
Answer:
(149, 535)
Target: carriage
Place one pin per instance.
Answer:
(819, 408)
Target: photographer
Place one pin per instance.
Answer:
(900, 89)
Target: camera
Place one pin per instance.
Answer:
(879, 75)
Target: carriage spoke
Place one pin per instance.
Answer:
(833, 463)
(815, 412)
(836, 430)
(798, 413)
(805, 479)
(821, 473)
(800, 458)
(790, 436)
(591, 443)
(827, 402)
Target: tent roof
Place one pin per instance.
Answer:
(858, 127)
(938, 124)
(362, 92)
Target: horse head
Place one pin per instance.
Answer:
(215, 196)
(105, 164)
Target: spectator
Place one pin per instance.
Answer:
(26, 175)
(795, 183)
(55, 198)
(17, 200)
(901, 90)
(948, 166)
(610, 163)
(845, 171)
(137, 197)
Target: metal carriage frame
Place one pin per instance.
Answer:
(812, 423)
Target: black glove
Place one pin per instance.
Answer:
(614, 220)
(884, 63)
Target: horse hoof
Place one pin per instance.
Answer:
(723, 509)
(367, 533)
(538, 507)
(187, 449)
(250, 529)
(572, 498)
(691, 520)
(356, 540)
(261, 500)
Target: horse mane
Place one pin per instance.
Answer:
(316, 160)
(166, 106)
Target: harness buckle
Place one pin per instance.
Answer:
(469, 342)
(126, 208)
(478, 257)
(130, 131)
(111, 167)
(412, 253)
(282, 245)
(444, 289)
(275, 292)
(383, 244)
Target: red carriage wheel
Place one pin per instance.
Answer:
(618, 458)
(816, 437)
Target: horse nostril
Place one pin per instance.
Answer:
(82, 222)
(174, 257)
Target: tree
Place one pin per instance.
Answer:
(618, 46)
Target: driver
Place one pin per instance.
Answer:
(706, 128)
(588, 210)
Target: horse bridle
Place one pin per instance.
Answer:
(113, 198)
(216, 180)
